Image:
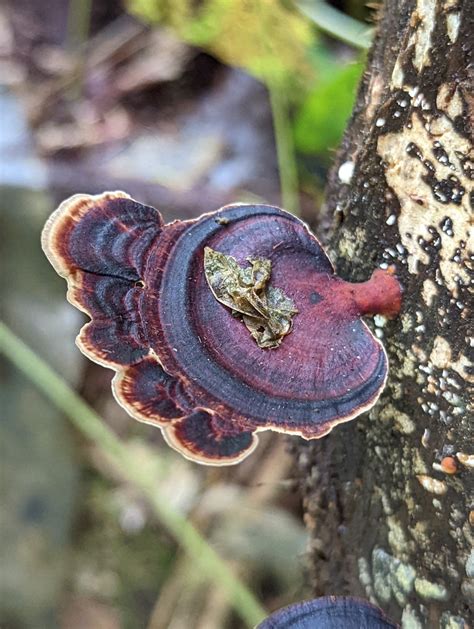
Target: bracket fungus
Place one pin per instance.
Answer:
(329, 612)
(292, 354)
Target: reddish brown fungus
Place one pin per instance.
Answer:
(183, 361)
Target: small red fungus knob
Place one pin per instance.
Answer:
(448, 465)
(185, 359)
(329, 612)
(381, 294)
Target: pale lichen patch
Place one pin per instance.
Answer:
(380, 320)
(419, 466)
(391, 577)
(410, 620)
(402, 421)
(466, 459)
(433, 485)
(423, 20)
(462, 366)
(453, 21)
(429, 292)
(375, 92)
(408, 366)
(440, 355)
(419, 532)
(419, 352)
(409, 158)
(398, 75)
(449, 101)
(385, 500)
(404, 424)
(349, 244)
(397, 538)
(450, 621)
(470, 565)
(431, 591)
(407, 322)
(366, 578)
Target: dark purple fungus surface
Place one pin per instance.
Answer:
(185, 360)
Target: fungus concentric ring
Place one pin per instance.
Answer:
(183, 362)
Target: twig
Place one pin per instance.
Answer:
(201, 555)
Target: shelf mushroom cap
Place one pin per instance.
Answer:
(329, 612)
(184, 362)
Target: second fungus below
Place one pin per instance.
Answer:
(281, 347)
(329, 612)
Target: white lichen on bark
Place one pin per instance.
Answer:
(409, 158)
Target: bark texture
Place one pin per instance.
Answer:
(388, 521)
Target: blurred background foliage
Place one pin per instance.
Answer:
(311, 89)
(278, 45)
(266, 38)
(187, 105)
(323, 113)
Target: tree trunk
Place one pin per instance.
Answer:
(387, 496)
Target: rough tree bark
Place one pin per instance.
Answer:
(388, 520)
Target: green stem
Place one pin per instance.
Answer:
(336, 23)
(201, 555)
(78, 26)
(287, 166)
(78, 22)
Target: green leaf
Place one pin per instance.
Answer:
(321, 119)
(266, 311)
(265, 37)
